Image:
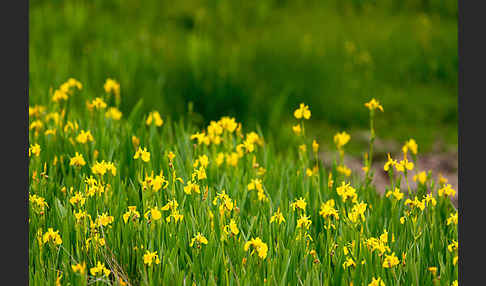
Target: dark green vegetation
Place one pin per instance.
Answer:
(257, 60)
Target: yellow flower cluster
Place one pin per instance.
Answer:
(256, 184)
(151, 257)
(100, 168)
(346, 191)
(199, 240)
(154, 117)
(131, 213)
(52, 236)
(99, 269)
(66, 89)
(257, 245)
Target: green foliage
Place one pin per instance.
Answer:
(257, 60)
(420, 242)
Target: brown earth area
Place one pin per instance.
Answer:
(438, 162)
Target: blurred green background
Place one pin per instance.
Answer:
(257, 60)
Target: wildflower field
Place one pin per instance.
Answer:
(138, 199)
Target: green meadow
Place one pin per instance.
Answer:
(257, 60)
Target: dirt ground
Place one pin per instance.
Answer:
(445, 163)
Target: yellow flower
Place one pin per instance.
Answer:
(330, 181)
(454, 283)
(52, 236)
(70, 83)
(379, 244)
(257, 245)
(97, 103)
(171, 205)
(155, 117)
(232, 159)
(315, 146)
(452, 219)
(374, 104)
(36, 111)
(304, 222)
(303, 147)
(312, 172)
(70, 126)
(80, 215)
(357, 212)
(410, 145)
(416, 203)
(37, 125)
(261, 171)
(104, 220)
(38, 203)
(302, 111)
(231, 228)
(390, 261)
(344, 170)
(277, 216)
(59, 277)
(99, 269)
(154, 213)
(59, 95)
(395, 193)
(171, 156)
(349, 263)
(433, 270)
(132, 212)
(297, 130)
(143, 154)
(100, 168)
(112, 86)
(174, 215)
(113, 113)
(159, 182)
(365, 169)
(79, 268)
(376, 282)
(226, 204)
(201, 173)
(228, 123)
(447, 191)
(77, 199)
(341, 139)
(215, 128)
(421, 177)
(299, 204)
(429, 198)
(77, 160)
(453, 246)
(150, 257)
(404, 164)
(201, 138)
(202, 160)
(198, 239)
(442, 180)
(35, 149)
(84, 137)
(255, 184)
(219, 159)
(191, 187)
(135, 141)
(50, 132)
(327, 210)
(345, 191)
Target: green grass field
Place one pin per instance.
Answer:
(135, 198)
(258, 60)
